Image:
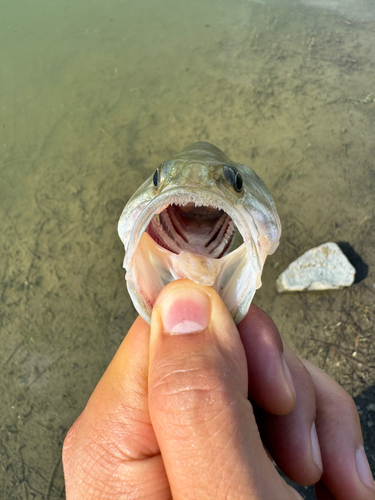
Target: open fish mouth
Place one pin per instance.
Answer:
(206, 231)
(196, 235)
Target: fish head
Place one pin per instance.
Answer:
(203, 217)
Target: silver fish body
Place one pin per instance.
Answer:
(203, 217)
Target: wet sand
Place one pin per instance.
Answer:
(92, 99)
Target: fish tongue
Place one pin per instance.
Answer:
(198, 268)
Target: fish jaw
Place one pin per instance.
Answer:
(153, 267)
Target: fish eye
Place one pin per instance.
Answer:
(234, 178)
(155, 178)
(238, 182)
(159, 175)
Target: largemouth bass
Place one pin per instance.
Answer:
(203, 217)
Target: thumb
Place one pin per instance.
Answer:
(203, 421)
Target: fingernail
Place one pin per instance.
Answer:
(185, 310)
(315, 448)
(363, 468)
(288, 376)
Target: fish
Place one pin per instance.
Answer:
(203, 217)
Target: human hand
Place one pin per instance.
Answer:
(170, 417)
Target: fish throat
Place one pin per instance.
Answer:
(200, 230)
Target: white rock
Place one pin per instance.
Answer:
(321, 268)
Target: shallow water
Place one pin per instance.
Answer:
(93, 96)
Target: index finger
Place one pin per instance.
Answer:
(270, 383)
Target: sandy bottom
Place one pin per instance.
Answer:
(93, 97)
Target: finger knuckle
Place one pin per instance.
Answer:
(70, 441)
(191, 389)
(348, 405)
(339, 407)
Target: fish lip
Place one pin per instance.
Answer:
(201, 197)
